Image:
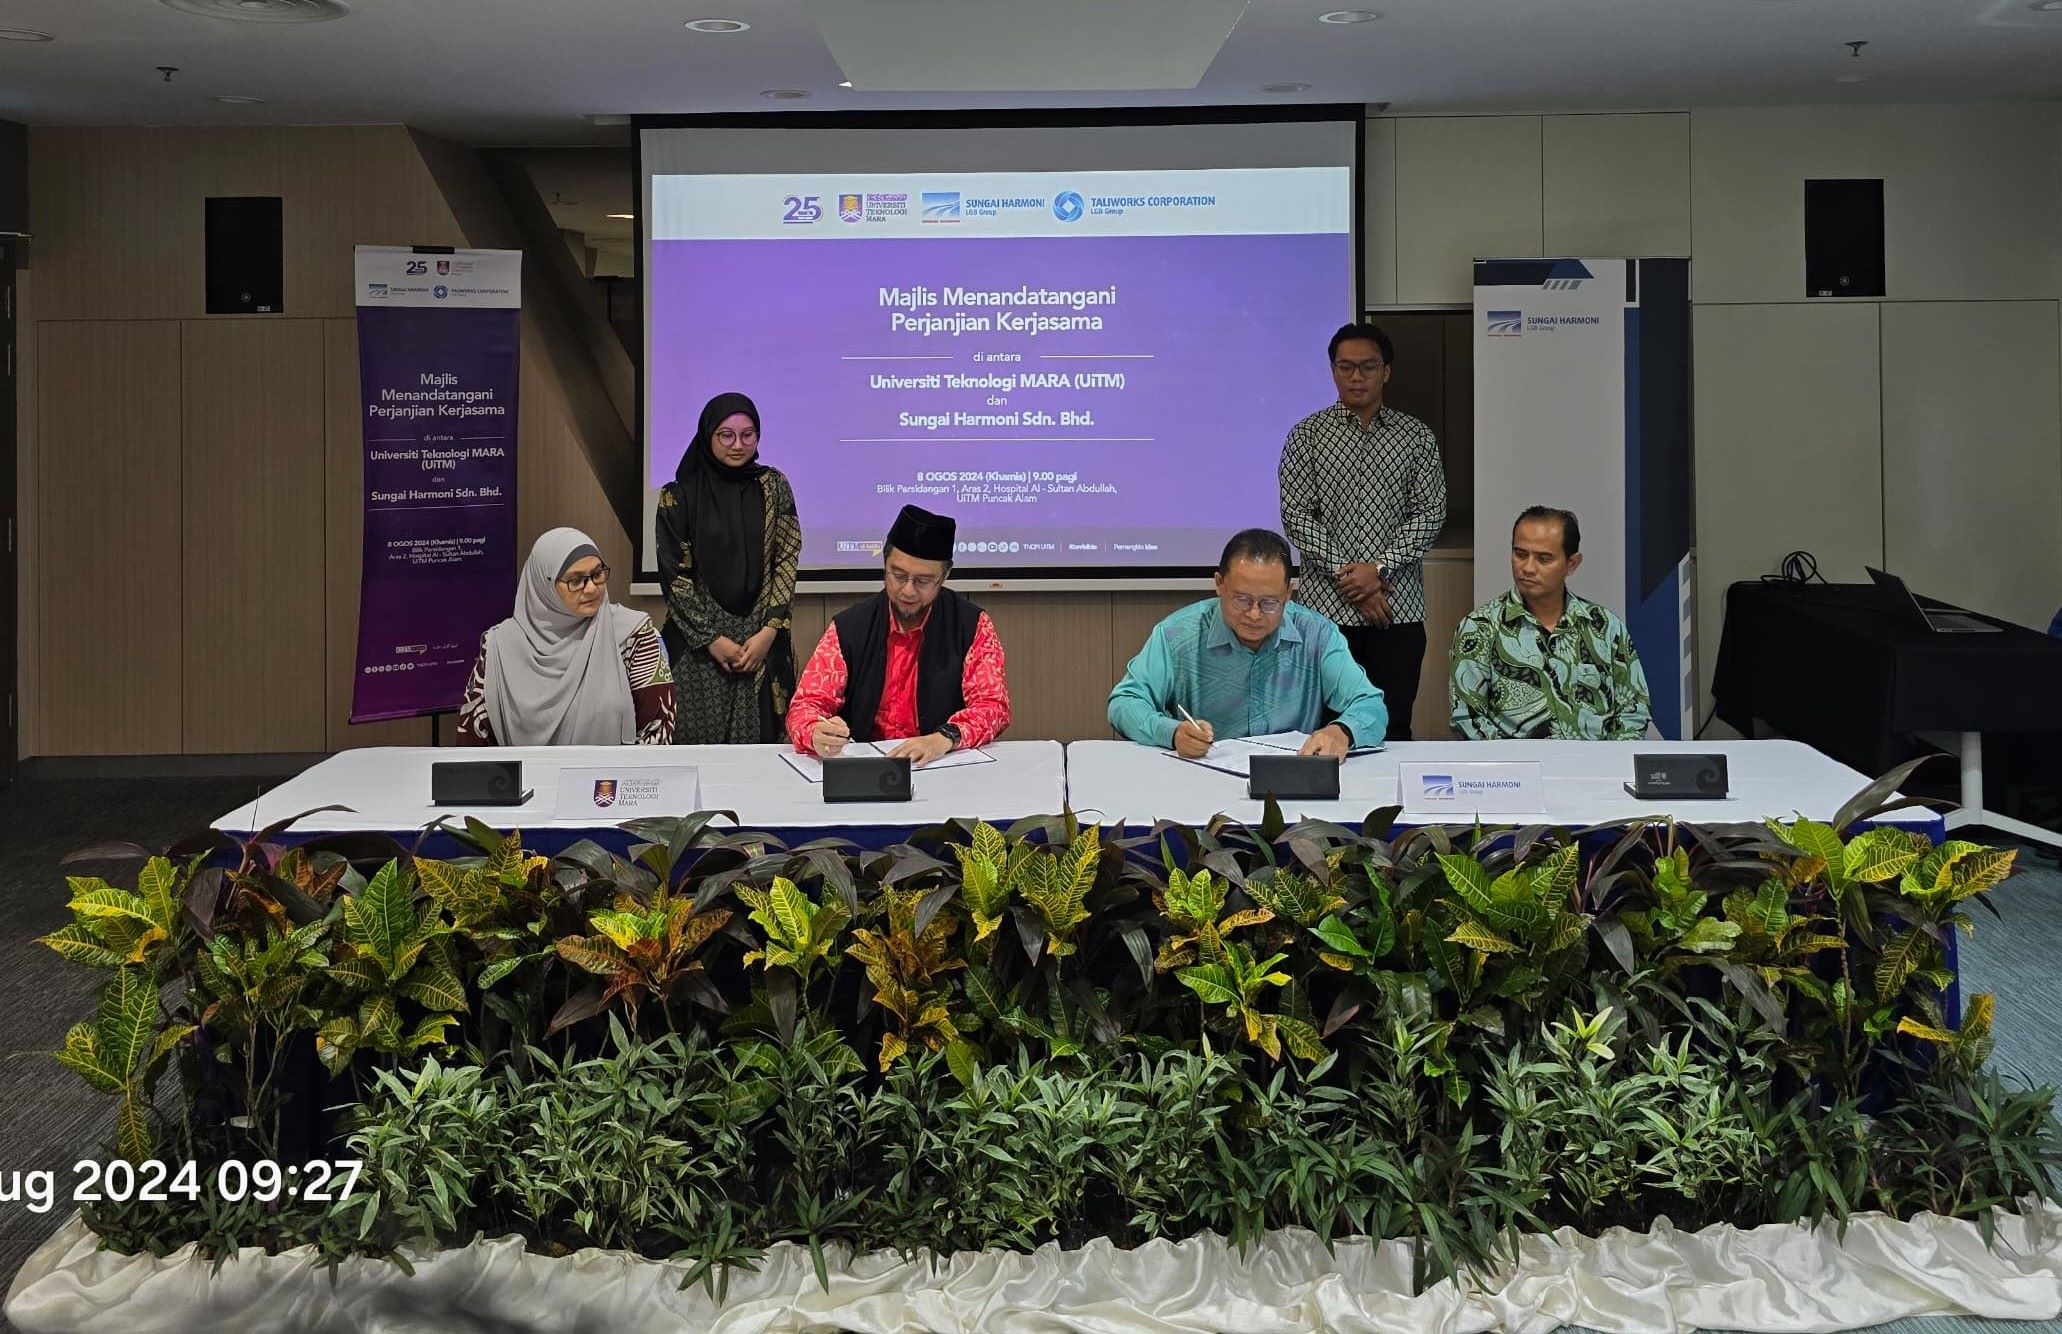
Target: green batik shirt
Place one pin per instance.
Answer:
(1580, 681)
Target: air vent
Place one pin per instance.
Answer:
(261, 11)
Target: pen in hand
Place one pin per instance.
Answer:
(1198, 737)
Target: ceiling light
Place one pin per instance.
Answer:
(784, 94)
(1349, 16)
(844, 83)
(261, 11)
(623, 217)
(607, 118)
(1284, 87)
(234, 101)
(24, 35)
(717, 25)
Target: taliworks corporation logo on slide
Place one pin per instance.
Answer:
(941, 206)
(1506, 323)
(1067, 206)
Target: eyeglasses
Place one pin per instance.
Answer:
(726, 436)
(922, 583)
(1241, 603)
(1348, 369)
(599, 576)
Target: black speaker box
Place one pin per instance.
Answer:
(477, 783)
(867, 778)
(1292, 777)
(1843, 238)
(1678, 777)
(245, 255)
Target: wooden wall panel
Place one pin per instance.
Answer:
(111, 240)
(343, 545)
(253, 550)
(108, 556)
(1449, 595)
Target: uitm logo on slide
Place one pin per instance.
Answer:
(604, 792)
(941, 206)
(1067, 206)
(1506, 323)
(850, 208)
(1440, 785)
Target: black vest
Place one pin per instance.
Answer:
(940, 663)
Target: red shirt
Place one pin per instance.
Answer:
(983, 683)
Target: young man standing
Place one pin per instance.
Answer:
(1363, 498)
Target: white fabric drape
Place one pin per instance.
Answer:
(1771, 1278)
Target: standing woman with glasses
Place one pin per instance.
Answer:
(728, 545)
(570, 667)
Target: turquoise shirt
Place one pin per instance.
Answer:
(1300, 678)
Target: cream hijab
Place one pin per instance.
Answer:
(555, 677)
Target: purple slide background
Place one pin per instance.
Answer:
(436, 571)
(1236, 324)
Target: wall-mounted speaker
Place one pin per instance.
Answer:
(245, 255)
(1843, 238)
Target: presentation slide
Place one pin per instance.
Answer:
(1092, 371)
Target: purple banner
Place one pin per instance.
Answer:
(439, 564)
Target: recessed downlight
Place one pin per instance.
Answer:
(261, 11)
(785, 94)
(1284, 87)
(717, 25)
(1343, 16)
(844, 83)
(238, 101)
(24, 35)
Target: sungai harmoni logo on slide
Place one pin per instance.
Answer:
(941, 206)
(1506, 323)
(1439, 785)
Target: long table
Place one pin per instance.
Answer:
(1112, 782)
(387, 790)
(1118, 782)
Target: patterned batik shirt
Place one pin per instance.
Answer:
(1513, 677)
(1300, 677)
(1353, 493)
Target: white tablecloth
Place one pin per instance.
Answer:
(1122, 782)
(388, 788)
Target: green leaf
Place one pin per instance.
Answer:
(1475, 936)
(959, 1057)
(81, 944)
(1211, 982)
(1710, 936)
(1301, 1038)
(1340, 938)
(1469, 881)
(381, 919)
(1901, 958)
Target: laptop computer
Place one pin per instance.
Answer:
(1940, 621)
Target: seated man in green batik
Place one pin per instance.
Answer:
(1540, 661)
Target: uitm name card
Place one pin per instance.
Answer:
(625, 794)
(1473, 787)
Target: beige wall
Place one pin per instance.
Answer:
(192, 483)
(164, 610)
(1918, 431)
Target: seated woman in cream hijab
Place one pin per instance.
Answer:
(570, 668)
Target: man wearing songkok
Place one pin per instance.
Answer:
(915, 663)
(1248, 662)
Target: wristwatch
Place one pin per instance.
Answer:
(949, 732)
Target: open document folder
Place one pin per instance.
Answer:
(811, 768)
(1230, 756)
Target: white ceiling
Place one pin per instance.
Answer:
(532, 71)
